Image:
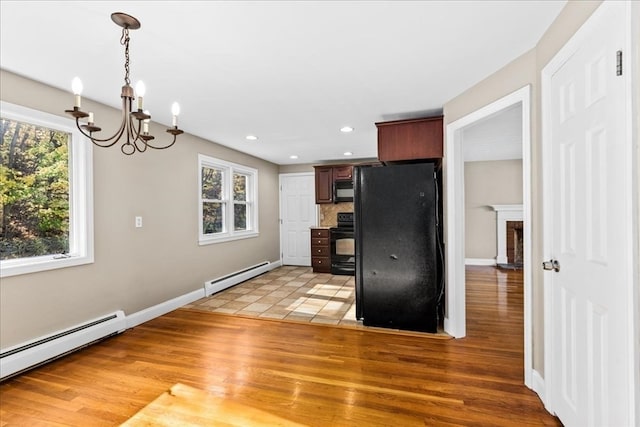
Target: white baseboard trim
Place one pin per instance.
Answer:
(41, 350)
(479, 261)
(537, 385)
(158, 310)
(222, 283)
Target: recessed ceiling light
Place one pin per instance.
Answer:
(293, 156)
(348, 153)
(346, 129)
(251, 137)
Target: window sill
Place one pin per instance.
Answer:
(17, 267)
(209, 240)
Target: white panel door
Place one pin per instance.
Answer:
(297, 215)
(590, 314)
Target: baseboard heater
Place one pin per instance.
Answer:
(224, 282)
(17, 359)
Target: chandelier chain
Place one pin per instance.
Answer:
(124, 40)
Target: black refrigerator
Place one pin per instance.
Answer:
(398, 249)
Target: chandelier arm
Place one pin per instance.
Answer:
(165, 147)
(137, 134)
(97, 141)
(113, 139)
(142, 146)
(130, 146)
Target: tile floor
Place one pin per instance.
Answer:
(291, 293)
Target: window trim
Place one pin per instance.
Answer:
(229, 233)
(80, 196)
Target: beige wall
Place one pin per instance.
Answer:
(488, 183)
(296, 168)
(523, 71)
(134, 268)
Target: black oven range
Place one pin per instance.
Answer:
(343, 253)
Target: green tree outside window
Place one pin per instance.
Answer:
(34, 177)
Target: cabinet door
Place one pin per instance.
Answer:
(324, 184)
(417, 139)
(342, 172)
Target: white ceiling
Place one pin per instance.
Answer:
(291, 72)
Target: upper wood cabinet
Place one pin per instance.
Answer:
(324, 184)
(326, 176)
(416, 139)
(342, 172)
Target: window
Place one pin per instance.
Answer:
(46, 199)
(228, 201)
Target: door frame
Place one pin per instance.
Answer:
(455, 300)
(280, 207)
(631, 64)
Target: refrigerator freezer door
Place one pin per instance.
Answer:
(396, 247)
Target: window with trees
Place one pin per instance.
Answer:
(46, 180)
(228, 200)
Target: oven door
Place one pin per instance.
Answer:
(343, 251)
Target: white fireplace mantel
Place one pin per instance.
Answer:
(505, 213)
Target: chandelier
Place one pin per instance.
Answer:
(135, 124)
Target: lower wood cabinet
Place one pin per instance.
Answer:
(320, 250)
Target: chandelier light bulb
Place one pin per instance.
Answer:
(175, 110)
(76, 87)
(141, 89)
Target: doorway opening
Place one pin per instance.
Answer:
(455, 301)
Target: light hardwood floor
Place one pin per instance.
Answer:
(311, 374)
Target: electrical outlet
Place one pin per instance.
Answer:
(138, 222)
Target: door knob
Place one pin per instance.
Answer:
(551, 265)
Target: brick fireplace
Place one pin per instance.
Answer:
(509, 235)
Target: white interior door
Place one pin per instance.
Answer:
(297, 215)
(587, 228)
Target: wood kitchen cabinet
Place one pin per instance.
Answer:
(324, 184)
(416, 139)
(342, 172)
(326, 176)
(320, 250)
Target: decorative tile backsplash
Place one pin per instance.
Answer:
(328, 213)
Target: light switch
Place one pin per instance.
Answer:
(138, 222)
